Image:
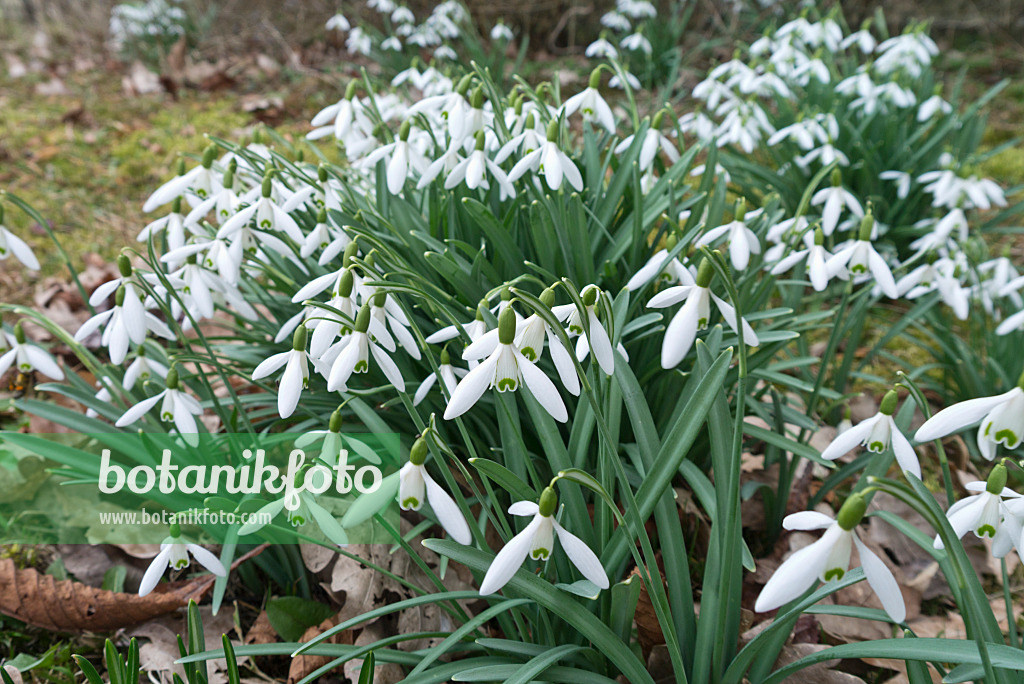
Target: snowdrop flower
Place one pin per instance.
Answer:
(358, 42)
(598, 340)
(551, 162)
(195, 186)
(269, 217)
(653, 140)
(673, 270)
(863, 39)
(402, 158)
(449, 377)
(636, 9)
(402, 15)
(537, 541)
(932, 106)
(354, 357)
(817, 261)
(415, 486)
(527, 141)
(177, 407)
(500, 32)
(591, 103)
(172, 225)
(474, 329)
(861, 259)
(127, 322)
(337, 23)
(637, 42)
(632, 81)
(1001, 416)
(142, 368)
(742, 241)
(941, 275)
(1011, 323)
(474, 168)
(340, 118)
(981, 513)
(174, 553)
(27, 357)
(876, 434)
(300, 505)
(505, 369)
(386, 311)
(530, 340)
(325, 236)
(902, 180)
(296, 372)
(601, 49)
(694, 316)
(835, 198)
(616, 22)
(828, 559)
(12, 244)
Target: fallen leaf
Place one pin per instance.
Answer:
(159, 653)
(302, 666)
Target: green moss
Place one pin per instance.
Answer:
(1007, 167)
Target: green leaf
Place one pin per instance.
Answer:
(504, 478)
(367, 505)
(291, 616)
(533, 587)
(366, 671)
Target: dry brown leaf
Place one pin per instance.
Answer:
(819, 673)
(67, 606)
(302, 666)
(647, 626)
(316, 557)
(158, 654)
(261, 632)
(383, 673)
(14, 674)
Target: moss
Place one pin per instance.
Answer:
(1007, 167)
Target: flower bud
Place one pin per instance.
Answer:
(476, 100)
(671, 241)
(403, 132)
(350, 90)
(548, 502)
(172, 378)
(19, 333)
(595, 78)
(480, 309)
(335, 423)
(531, 122)
(446, 359)
(589, 295)
(346, 284)
(321, 173)
(209, 154)
(837, 178)
(267, 183)
(547, 297)
(867, 224)
(507, 326)
(176, 205)
(351, 249)
(889, 401)
(819, 237)
(180, 170)
(299, 338)
(119, 296)
(553, 131)
(996, 480)
(464, 84)
(740, 212)
(852, 512)
(705, 272)
(321, 216)
(175, 531)
(124, 265)
(658, 118)
(363, 318)
(418, 452)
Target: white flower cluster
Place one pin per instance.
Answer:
(154, 18)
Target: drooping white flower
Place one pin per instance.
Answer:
(876, 434)
(172, 225)
(358, 347)
(402, 158)
(590, 102)
(174, 553)
(981, 513)
(932, 106)
(742, 241)
(551, 162)
(26, 357)
(828, 559)
(416, 487)
(835, 198)
(637, 42)
(449, 377)
(500, 32)
(537, 541)
(902, 180)
(530, 340)
(474, 170)
(127, 322)
(12, 244)
(861, 259)
(142, 368)
(504, 368)
(694, 315)
(270, 218)
(337, 23)
(177, 407)
(300, 506)
(816, 257)
(601, 49)
(660, 265)
(598, 339)
(653, 140)
(296, 372)
(1001, 416)
(195, 186)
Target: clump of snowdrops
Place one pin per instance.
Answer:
(566, 309)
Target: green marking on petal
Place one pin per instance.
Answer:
(540, 554)
(179, 564)
(508, 385)
(858, 268)
(834, 573)
(529, 353)
(986, 531)
(1007, 436)
(361, 367)
(410, 503)
(876, 447)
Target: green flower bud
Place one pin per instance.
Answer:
(589, 295)
(351, 249)
(547, 297)
(837, 178)
(507, 326)
(446, 359)
(479, 141)
(705, 272)
(350, 90)
(335, 423)
(671, 241)
(819, 237)
(480, 309)
(267, 184)
(363, 318)
(530, 121)
(19, 333)
(348, 281)
(172, 378)
(124, 265)
(476, 100)
(418, 452)
(889, 401)
(209, 154)
(176, 205)
(321, 216)
(852, 512)
(321, 173)
(180, 167)
(175, 532)
(380, 299)
(867, 224)
(464, 84)
(553, 131)
(658, 118)
(300, 156)
(548, 502)
(229, 175)
(403, 132)
(119, 296)
(996, 480)
(299, 338)
(595, 78)
(741, 209)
